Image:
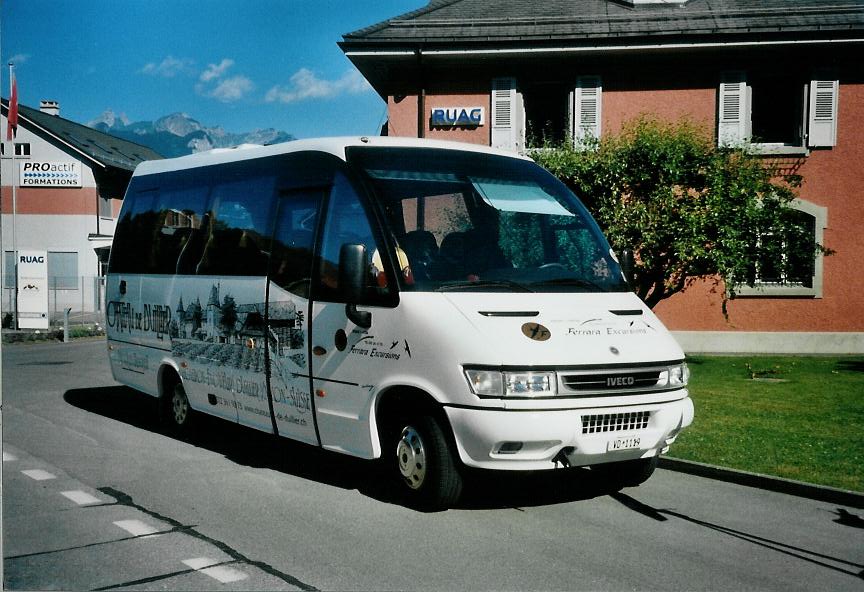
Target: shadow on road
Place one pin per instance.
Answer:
(822, 560)
(251, 448)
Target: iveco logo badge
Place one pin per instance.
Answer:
(536, 332)
(620, 381)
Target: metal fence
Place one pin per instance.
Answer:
(84, 295)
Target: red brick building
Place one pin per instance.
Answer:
(783, 75)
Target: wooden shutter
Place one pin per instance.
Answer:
(586, 113)
(507, 118)
(822, 120)
(734, 111)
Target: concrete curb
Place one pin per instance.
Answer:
(842, 497)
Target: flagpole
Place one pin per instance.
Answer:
(14, 203)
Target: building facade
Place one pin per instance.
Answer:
(69, 183)
(784, 76)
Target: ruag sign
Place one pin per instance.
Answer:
(458, 116)
(36, 173)
(33, 289)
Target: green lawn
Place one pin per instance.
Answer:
(800, 418)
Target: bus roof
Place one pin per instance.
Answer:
(334, 146)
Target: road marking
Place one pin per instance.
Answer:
(8, 456)
(200, 562)
(39, 475)
(136, 527)
(82, 498)
(221, 573)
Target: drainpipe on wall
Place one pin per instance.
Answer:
(421, 96)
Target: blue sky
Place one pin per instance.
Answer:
(241, 64)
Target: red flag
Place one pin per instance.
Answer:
(12, 114)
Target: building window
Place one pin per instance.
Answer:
(62, 270)
(790, 266)
(546, 114)
(8, 270)
(542, 114)
(776, 113)
(777, 110)
(106, 208)
(22, 149)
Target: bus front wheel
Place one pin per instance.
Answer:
(425, 463)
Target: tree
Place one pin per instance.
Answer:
(687, 208)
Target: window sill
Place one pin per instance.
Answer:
(780, 150)
(776, 291)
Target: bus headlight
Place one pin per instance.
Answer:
(675, 376)
(491, 383)
(486, 383)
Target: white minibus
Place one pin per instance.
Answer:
(434, 304)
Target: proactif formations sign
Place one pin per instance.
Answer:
(35, 173)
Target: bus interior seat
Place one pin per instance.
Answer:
(422, 250)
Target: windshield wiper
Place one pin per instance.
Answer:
(576, 282)
(482, 284)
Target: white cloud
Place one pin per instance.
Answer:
(212, 83)
(169, 67)
(306, 85)
(231, 89)
(214, 71)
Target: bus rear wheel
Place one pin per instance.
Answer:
(176, 412)
(425, 464)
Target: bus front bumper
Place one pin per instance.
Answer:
(534, 440)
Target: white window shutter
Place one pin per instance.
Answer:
(822, 121)
(586, 112)
(734, 111)
(508, 127)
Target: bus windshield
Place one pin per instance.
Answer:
(465, 221)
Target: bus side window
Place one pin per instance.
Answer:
(238, 239)
(347, 223)
(131, 251)
(294, 240)
(181, 219)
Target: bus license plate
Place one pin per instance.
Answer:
(623, 443)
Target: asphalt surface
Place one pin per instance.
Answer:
(97, 497)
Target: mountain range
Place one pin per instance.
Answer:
(179, 134)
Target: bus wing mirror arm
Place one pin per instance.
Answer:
(352, 276)
(628, 266)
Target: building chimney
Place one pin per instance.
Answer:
(49, 107)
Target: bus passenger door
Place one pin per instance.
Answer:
(344, 379)
(289, 280)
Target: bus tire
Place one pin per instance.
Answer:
(176, 412)
(627, 473)
(425, 464)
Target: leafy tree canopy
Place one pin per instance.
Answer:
(687, 208)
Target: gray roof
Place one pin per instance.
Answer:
(106, 150)
(496, 22)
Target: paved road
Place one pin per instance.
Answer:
(96, 497)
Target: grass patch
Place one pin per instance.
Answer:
(795, 417)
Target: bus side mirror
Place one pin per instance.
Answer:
(628, 266)
(352, 282)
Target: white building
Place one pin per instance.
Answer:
(70, 180)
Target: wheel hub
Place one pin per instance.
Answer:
(180, 407)
(412, 458)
